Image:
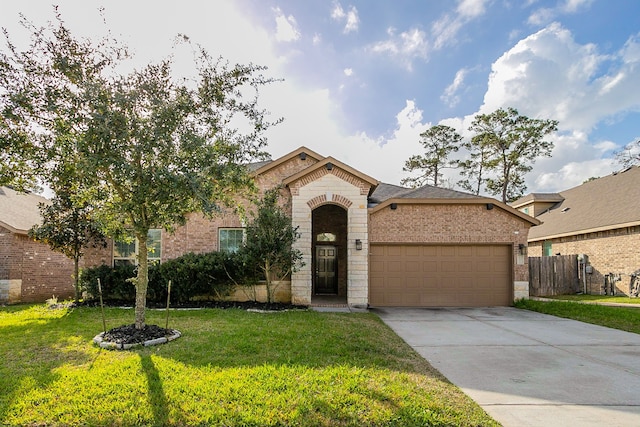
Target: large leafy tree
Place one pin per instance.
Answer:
(630, 154)
(269, 242)
(149, 148)
(505, 145)
(439, 142)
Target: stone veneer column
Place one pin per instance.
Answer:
(301, 280)
(336, 191)
(520, 289)
(358, 260)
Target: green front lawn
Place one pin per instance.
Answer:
(623, 318)
(598, 299)
(230, 367)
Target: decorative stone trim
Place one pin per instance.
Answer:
(115, 346)
(317, 201)
(319, 173)
(333, 198)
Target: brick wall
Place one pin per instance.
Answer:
(614, 251)
(10, 260)
(40, 272)
(45, 273)
(449, 223)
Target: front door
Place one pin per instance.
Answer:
(326, 267)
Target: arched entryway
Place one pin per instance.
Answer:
(329, 249)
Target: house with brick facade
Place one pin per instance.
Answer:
(600, 218)
(29, 271)
(367, 243)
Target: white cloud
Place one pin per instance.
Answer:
(286, 27)
(573, 174)
(573, 6)
(337, 13)
(450, 95)
(471, 8)
(317, 39)
(549, 75)
(352, 20)
(545, 15)
(445, 30)
(349, 18)
(405, 46)
(348, 72)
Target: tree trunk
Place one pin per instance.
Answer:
(142, 280)
(76, 278)
(267, 273)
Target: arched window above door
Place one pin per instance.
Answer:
(326, 237)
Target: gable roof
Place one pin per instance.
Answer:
(19, 211)
(263, 167)
(388, 191)
(602, 204)
(328, 162)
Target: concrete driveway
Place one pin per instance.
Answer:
(526, 368)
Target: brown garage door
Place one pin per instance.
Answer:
(440, 276)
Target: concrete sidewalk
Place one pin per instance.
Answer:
(526, 368)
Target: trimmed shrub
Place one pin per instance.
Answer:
(192, 275)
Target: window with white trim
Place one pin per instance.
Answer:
(230, 239)
(127, 253)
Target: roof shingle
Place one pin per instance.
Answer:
(605, 203)
(19, 211)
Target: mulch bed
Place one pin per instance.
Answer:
(128, 334)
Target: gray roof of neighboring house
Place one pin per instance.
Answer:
(537, 197)
(605, 203)
(19, 211)
(389, 191)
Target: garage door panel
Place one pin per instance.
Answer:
(431, 275)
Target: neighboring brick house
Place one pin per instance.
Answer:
(600, 218)
(368, 243)
(29, 271)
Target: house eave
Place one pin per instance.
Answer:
(457, 201)
(13, 229)
(585, 231)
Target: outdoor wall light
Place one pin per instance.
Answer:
(358, 245)
(489, 206)
(394, 206)
(329, 166)
(522, 249)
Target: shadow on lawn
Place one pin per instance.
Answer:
(157, 397)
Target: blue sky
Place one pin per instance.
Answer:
(362, 79)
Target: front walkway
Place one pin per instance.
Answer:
(526, 368)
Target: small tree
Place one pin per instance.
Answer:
(629, 155)
(69, 229)
(269, 242)
(439, 142)
(512, 143)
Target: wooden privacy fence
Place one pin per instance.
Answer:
(553, 275)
